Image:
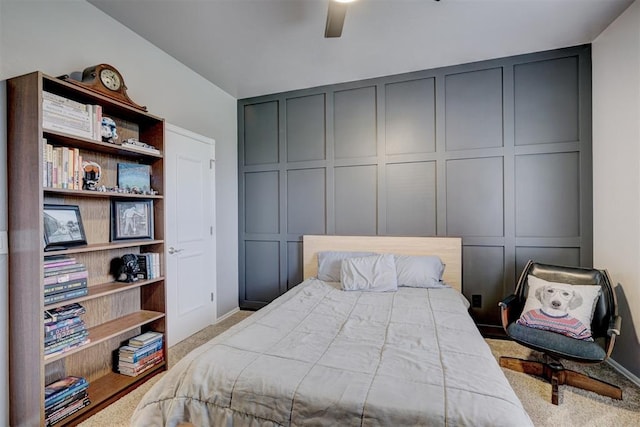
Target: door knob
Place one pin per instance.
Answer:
(173, 250)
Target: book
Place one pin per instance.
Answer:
(64, 312)
(134, 354)
(65, 278)
(71, 339)
(58, 261)
(78, 395)
(77, 166)
(142, 360)
(62, 101)
(58, 390)
(45, 182)
(64, 269)
(156, 264)
(142, 264)
(49, 165)
(54, 326)
(136, 372)
(140, 366)
(54, 351)
(62, 333)
(67, 295)
(58, 288)
(68, 411)
(145, 338)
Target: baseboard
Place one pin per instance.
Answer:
(228, 314)
(618, 367)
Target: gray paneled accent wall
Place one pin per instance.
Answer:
(496, 152)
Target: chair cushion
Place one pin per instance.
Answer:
(558, 344)
(560, 307)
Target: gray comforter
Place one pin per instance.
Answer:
(322, 356)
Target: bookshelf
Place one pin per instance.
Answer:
(115, 311)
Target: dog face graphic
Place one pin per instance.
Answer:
(558, 299)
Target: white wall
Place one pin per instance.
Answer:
(60, 36)
(616, 172)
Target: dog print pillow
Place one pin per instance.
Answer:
(560, 307)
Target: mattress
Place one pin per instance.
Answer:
(322, 356)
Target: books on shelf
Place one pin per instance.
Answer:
(145, 339)
(64, 329)
(65, 312)
(64, 279)
(61, 114)
(62, 167)
(66, 295)
(64, 397)
(141, 353)
(149, 264)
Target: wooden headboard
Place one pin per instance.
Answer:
(449, 249)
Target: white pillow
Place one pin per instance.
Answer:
(329, 263)
(375, 273)
(560, 307)
(419, 271)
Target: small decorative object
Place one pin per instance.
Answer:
(104, 79)
(108, 130)
(134, 177)
(125, 268)
(139, 145)
(92, 172)
(131, 219)
(62, 227)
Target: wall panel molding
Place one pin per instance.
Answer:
(497, 152)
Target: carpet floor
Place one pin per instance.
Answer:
(577, 407)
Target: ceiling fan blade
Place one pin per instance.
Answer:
(335, 19)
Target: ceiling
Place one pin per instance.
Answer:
(257, 47)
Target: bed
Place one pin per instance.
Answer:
(321, 355)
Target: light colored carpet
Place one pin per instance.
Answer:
(577, 407)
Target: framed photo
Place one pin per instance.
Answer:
(131, 219)
(62, 227)
(134, 177)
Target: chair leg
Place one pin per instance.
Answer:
(585, 382)
(557, 375)
(554, 388)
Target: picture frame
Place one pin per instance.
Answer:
(134, 177)
(131, 219)
(63, 227)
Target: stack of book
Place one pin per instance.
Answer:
(64, 397)
(141, 354)
(64, 279)
(61, 114)
(149, 264)
(64, 329)
(62, 167)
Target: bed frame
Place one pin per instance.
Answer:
(449, 249)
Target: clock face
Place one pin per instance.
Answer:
(110, 79)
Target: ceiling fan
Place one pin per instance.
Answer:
(335, 17)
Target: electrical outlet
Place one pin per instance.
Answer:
(476, 301)
(4, 244)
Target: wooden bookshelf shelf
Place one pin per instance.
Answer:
(114, 311)
(116, 385)
(109, 330)
(106, 289)
(98, 146)
(102, 194)
(104, 247)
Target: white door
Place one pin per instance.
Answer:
(190, 233)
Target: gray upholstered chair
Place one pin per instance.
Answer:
(605, 327)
